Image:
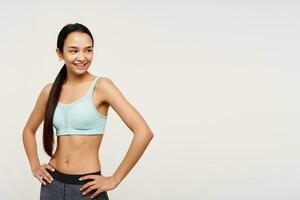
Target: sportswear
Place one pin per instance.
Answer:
(80, 116)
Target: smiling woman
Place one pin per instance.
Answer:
(76, 105)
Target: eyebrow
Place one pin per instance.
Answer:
(74, 47)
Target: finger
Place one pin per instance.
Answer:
(89, 189)
(87, 177)
(96, 193)
(47, 176)
(87, 185)
(40, 178)
(49, 167)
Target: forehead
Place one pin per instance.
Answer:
(78, 39)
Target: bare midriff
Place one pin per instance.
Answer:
(77, 154)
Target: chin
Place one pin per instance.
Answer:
(79, 71)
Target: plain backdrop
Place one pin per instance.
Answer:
(217, 82)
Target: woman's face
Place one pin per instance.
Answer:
(77, 52)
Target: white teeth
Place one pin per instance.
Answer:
(80, 65)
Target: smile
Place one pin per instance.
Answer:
(81, 66)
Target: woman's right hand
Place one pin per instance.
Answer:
(41, 173)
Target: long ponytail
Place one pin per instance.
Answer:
(48, 136)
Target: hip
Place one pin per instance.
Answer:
(67, 186)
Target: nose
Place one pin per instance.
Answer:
(81, 57)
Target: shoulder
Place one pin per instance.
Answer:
(107, 88)
(47, 88)
(44, 93)
(104, 82)
(104, 79)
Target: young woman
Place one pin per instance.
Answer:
(76, 105)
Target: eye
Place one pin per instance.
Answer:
(90, 50)
(73, 51)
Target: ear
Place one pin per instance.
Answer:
(59, 54)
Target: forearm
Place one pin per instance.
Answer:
(30, 147)
(137, 147)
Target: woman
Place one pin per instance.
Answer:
(76, 105)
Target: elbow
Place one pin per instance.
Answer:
(149, 135)
(145, 134)
(27, 132)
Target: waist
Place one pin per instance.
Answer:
(71, 178)
(80, 167)
(75, 163)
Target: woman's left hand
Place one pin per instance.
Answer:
(100, 183)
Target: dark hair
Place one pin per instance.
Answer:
(48, 137)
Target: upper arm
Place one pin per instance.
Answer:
(129, 115)
(37, 115)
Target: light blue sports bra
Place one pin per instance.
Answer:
(80, 116)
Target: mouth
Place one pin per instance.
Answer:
(80, 66)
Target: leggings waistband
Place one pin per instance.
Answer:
(71, 178)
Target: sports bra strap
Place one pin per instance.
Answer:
(91, 88)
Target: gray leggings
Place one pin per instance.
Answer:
(67, 187)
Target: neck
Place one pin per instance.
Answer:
(73, 79)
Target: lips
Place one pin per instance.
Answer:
(80, 66)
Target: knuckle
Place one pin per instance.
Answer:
(92, 187)
(44, 176)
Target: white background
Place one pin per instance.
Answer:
(216, 81)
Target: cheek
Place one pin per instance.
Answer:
(90, 56)
(70, 58)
